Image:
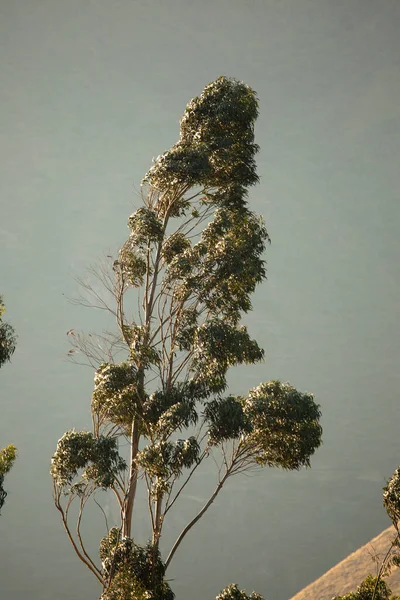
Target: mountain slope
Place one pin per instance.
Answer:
(348, 574)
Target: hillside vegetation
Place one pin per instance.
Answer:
(349, 573)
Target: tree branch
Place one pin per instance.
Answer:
(195, 519)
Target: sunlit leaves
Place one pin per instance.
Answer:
(167, 412)
(184, 163)
(224, 267)
(217, 346)
(391, 497)
(232, 592)
(225, 419)
(275, 426)
(115, 396)
(136, 567)
(131, 265)
(97, 457)
(7, 458)
(222, 118)
(145, 227)
(285, 425)
(166, 459)
(174, 246)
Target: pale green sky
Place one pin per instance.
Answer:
(90, 91)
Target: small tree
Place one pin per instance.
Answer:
(193, 257)
(375, 588)
(7, 349)
(372, 588)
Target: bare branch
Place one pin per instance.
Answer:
(170, 505)
(57, 502)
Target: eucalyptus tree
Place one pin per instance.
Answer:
(181, 284)
(7, 349)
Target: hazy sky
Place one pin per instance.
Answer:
(90, 91)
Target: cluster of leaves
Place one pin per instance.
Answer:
(165, 460)
(166, 412)
(391, 497)
(370, 589)
(130, 566)
(277, 425)
(7, 458)
(7, 337)
(97, 457)
(224, 267)
(115, 397)
(216, 144)
(232, 592)
(218, 346)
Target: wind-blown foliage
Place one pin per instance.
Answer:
(194, 256)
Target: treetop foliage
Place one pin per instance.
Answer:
(232, 592)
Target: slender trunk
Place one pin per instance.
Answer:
(133, 475)
(156, 536)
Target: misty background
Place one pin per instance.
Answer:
(90, 91)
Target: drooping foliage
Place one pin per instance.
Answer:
(181, 283)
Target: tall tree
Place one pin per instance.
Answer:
(193, 258)
(7, 348)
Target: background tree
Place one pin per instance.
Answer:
(375, 588)
(7, 337)
(193, 258)
(7, 348)
(372, 588)
(7, 458)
